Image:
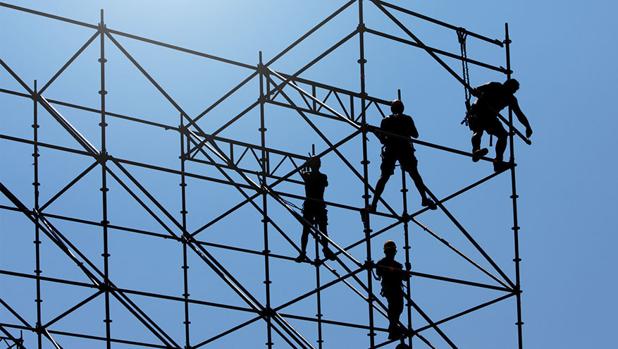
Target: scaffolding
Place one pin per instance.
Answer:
(257, 185)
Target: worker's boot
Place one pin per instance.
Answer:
(394, 332)
(328, 253)
(500, 165)
(478, 154)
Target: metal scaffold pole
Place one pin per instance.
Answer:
(365, 162)
(184, 212)
(407, 248)
(318, 295)
(37, 233)
(514, 197)
(265, 219)
(104, 188)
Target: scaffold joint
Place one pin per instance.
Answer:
(105, 287)
(102, 157)
(186, 238)
(38, 328)
(405, 217)
(267, 312)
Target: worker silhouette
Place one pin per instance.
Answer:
(314, 208)
(397, 146)
(483, 117)
(391, 274)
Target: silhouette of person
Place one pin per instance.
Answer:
(483, 117)
(398, 147)
(314, 208)
(391, 274)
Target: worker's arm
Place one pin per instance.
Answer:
(412, 131)
(378, 269)
(521, 117)
(304, 172)
(380, 135)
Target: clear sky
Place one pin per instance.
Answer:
(563, 53)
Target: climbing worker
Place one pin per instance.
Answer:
(483, 116)
(314, 208)
(397, 146)
(391, 274)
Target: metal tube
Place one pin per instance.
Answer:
(318, 300)
(365, 163)
(406, 247)
(104, 188)
(184, 212)
(514, 196)
(439, 22)
(37, 233)
(436, 50)
(265, 218)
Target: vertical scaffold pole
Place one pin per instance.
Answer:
(104, 188)
(265, 219)
(318, 314)
(514, 197)
(184, 212)
(407, 247)
(365, 163)
(37, 233)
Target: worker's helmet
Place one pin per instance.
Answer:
(512, 84)
(397, 106)
(314, 162)
(389, 245)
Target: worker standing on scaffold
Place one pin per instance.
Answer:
(314, 208)
(391, 274)
(397, 146)
(483, 116)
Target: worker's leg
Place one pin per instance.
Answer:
(476, 140)
(410, 165)
(476, 125)
(395, 307)
(387, 169)
(502, 135)
(496, 129)
(322, 221)
(378, 190)
(304, 238)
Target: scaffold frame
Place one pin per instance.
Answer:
(221, 154)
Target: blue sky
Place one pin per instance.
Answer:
(562, 55)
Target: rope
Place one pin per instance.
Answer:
(461, 37)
